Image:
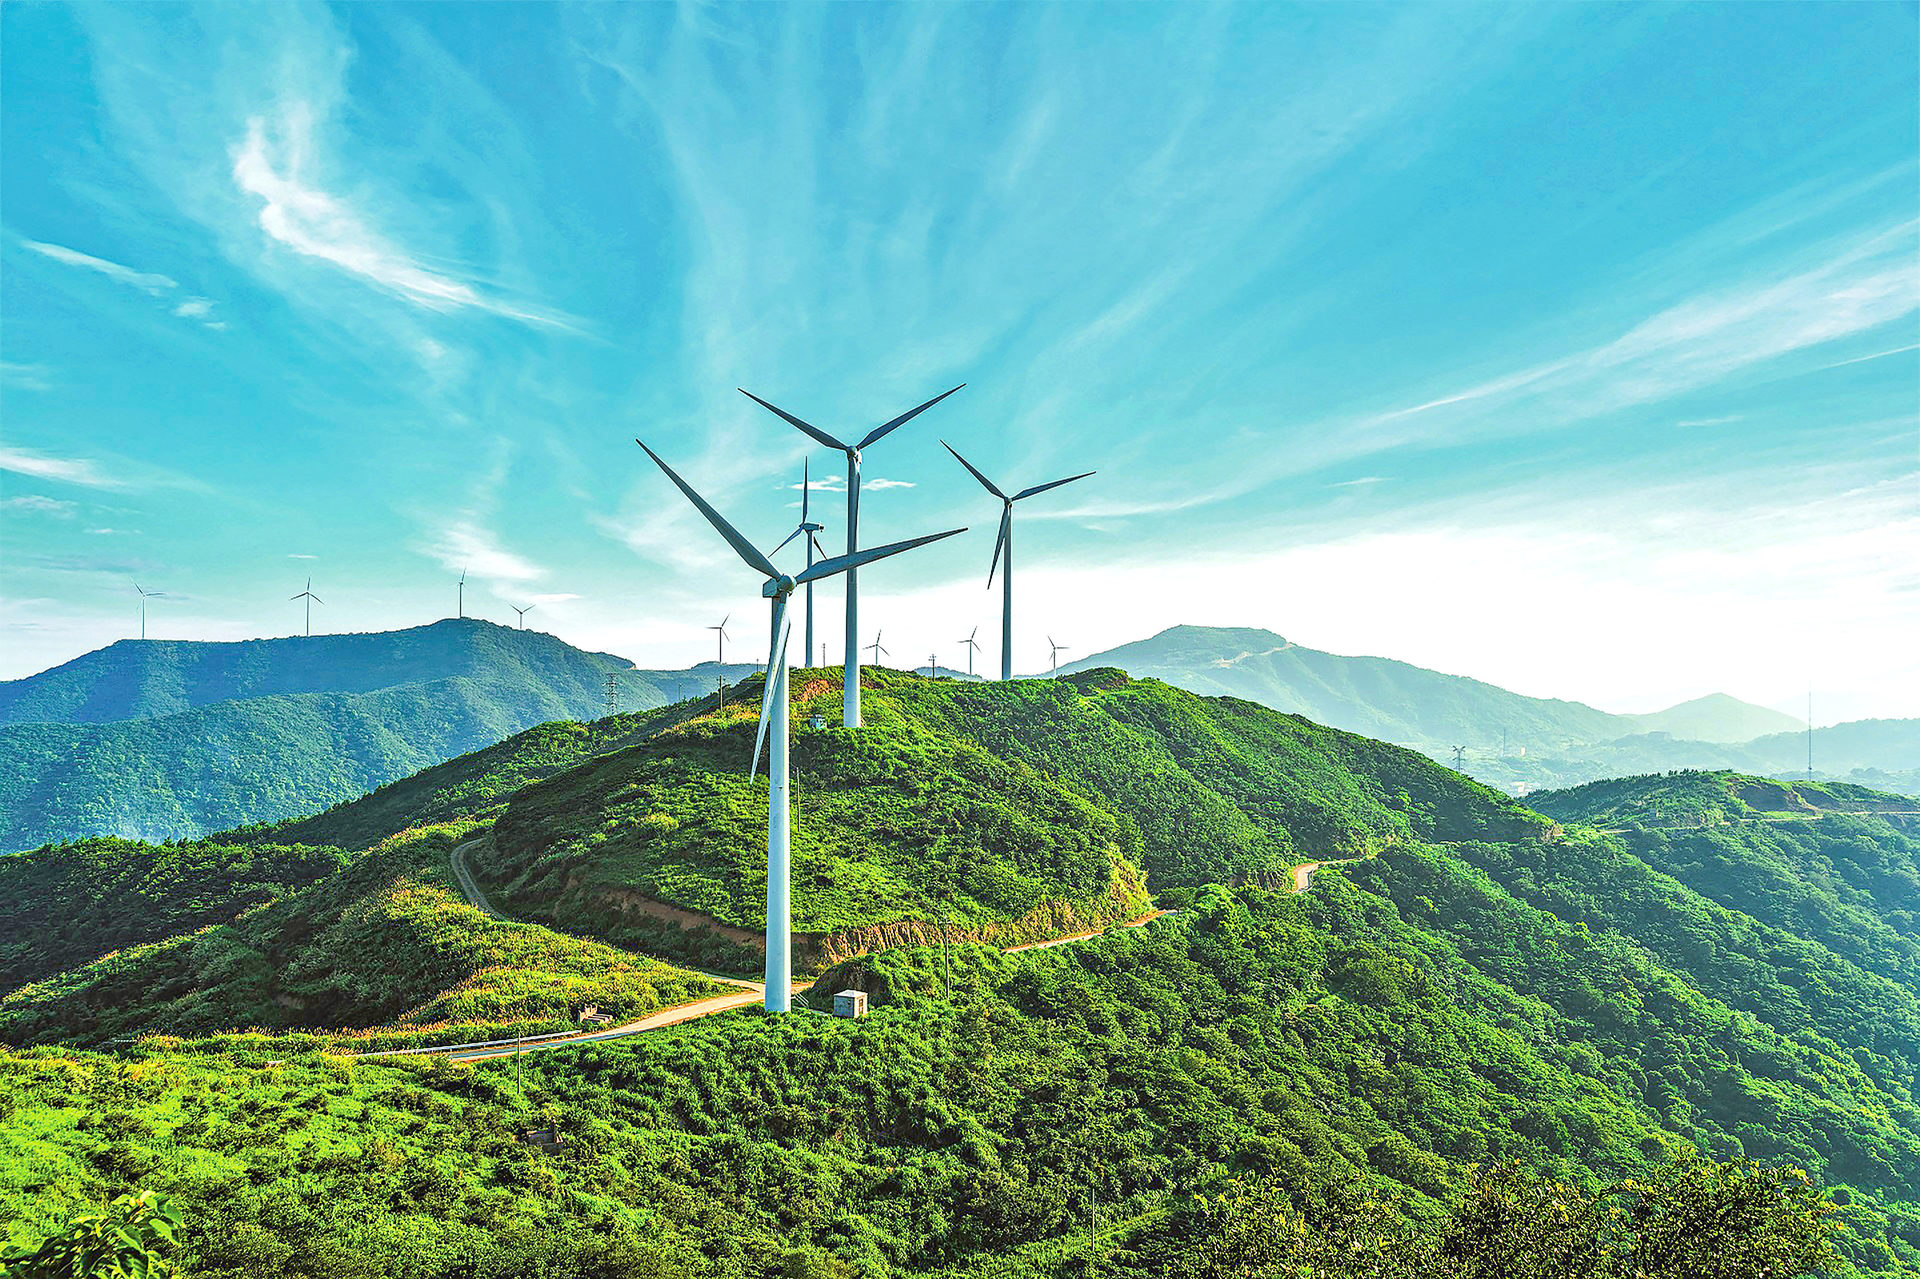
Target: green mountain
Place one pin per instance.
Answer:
(170, 740)
(1565, 1001)
(1515, 742)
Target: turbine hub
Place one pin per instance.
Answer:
(777, 586)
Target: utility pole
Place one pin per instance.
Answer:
(1809, 734)
(613, 693)
(1459, 753)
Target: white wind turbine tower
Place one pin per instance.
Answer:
(810, 532)
(461, 597)
(1004, 544)
(777, 589)
(972, 646)
(1057, 650)
(311, 600)
(146, 595)
(850, 681)
(523, 613)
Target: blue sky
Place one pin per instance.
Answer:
(1576, 348)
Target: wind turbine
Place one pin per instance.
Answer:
(462, 595)
(311, 600)
(1005, 544)
(777, 589)
(811, 532)
(720, 635)
(1057, 650)
(973, 646)
(146, 595)
(877, 650)
(523, 613)
(850, 683)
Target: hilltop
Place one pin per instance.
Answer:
(174, 739)
(1468, 982)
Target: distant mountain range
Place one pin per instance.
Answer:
(161, 739)
(168, 739)
(1509, 739)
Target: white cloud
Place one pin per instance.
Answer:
(1358, 482)
(154, 284)
(38, 505)
(276, 163)
(874, 486)
(26, 377)
(466, 546)
(72, 470)
(1712, 421)
(295, 555)
(553, 598)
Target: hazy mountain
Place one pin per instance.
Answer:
(1511, 740)
(1717, 718)
(170, 739)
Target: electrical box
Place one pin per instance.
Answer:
(850, 1003)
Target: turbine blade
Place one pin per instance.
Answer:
(1041, 488)
(747, 550)
(990, 485)
(1006, 531)
(782, 628)
(808, 427)
(841, 563)
(877, 433)
(815, 538)
(318, 600)
(789, 537)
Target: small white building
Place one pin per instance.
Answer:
(850, 1003)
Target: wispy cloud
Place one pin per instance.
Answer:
(26, 377)
(296, 555)
(142, 280)
(1712, 421)
(71, 470)
(276, 163)
(33, 503)
(466, 545)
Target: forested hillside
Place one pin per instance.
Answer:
(1260, 1078)
(172, 740)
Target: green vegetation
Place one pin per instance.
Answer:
(170, 740)
(385, 943)
(1493, 1043)
(1162, 1079)
(69, 903)
(132, 1239)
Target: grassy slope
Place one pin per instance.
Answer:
(386, 942)
(64, 905)
(1259, 1038)
(1479, 946)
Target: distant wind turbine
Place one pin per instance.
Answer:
(523, 613)
(778, 588)
(146, 595)
(1004, 544)
(720, 637)
(850, 683)
(1057, 650)
(461, 597)
(810, 532)
(311, 600)
(877, 650)
(973, 646)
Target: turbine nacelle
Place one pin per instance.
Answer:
(776, 586)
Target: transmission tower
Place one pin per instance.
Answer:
(1459, 753)
(613, 693)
